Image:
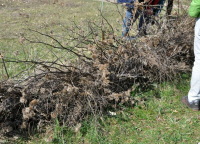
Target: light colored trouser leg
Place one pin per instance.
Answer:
(194, 92)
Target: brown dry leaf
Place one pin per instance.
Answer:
(1, 56)
(104, 42)
(156, 42)
(23, 99)
(115, 59)
(33, 103)
(9, 81)
(144, 39)
(127, 93)
(53, 115)
(65, 90)
(126, 99)
(42, 90)
(94, 56)
(10, 89)
(24, 125)
(110, 52)
(105, 81)
(7, 129)
(132, 102)
(28, 113)
(103, 66)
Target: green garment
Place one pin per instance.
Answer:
(194, 10)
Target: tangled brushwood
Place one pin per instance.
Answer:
(101, 73)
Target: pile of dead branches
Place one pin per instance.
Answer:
(101, 74)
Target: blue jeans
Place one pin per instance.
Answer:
(128, 21)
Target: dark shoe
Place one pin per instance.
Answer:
(193, 105)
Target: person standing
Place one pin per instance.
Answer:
(192, 100)
(128, 19)
(146, 17)
(144, 14)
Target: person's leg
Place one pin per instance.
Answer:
(159, 8)
(128, 21)
(194, 93)
(144, 20)
(169, 7)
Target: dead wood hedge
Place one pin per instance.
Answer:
(100, 75)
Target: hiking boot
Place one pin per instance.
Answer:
(194, 105)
